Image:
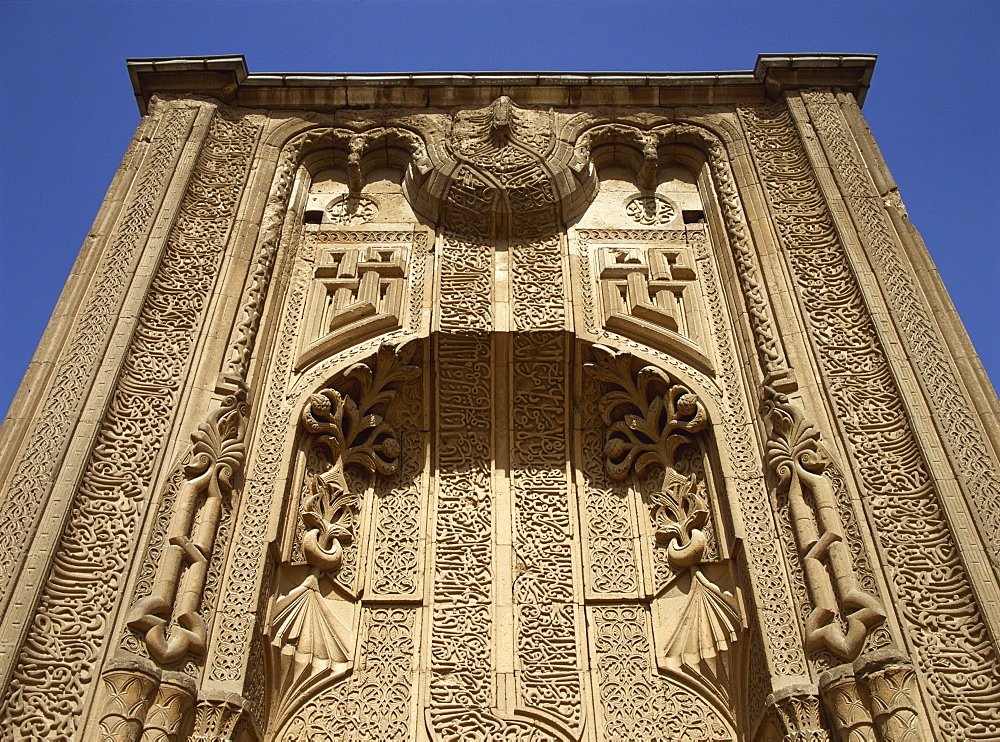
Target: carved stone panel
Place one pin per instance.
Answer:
(526, 408)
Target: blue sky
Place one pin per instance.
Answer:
(67, 110)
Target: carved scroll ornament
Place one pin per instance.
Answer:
(650, 418)
(168, 617)
(354, 435)
(311, 639)
(797, 458)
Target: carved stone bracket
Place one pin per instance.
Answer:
(796, 456)
(168, 618)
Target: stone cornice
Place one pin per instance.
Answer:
(227, 79)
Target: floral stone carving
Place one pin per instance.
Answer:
(651, 418)
(310, 634)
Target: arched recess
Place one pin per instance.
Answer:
(626, 225)
(348, 527)
(513, 564)
(341, 629)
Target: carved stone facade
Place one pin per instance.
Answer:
(484, 407)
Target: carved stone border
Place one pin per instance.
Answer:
(56, 666)
(33, 475)
(953, 648)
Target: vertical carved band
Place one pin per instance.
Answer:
(462, 628)
(963, 435)
(953, 647)
(20, 504)
(543, 585)
(57, 662)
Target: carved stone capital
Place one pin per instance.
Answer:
(889, 681)
(796, 709)
(129, 686)
(216, 716)
(846, 705)
(166, 717)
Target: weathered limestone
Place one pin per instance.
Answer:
(533, 406)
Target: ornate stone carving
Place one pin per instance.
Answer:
(461, 647)
(129, 694)
(168, 618)
(351, 210)
(795, 454)
(311, 640)
(28, 486)
(374, 702)
(942, 618)
(635, 702)
(426, 578)
(650, 210)
(353, 434)
(545, 609)
(216, 717)
(56, 662)
(359, 290)
(167, 717)
(652, 419)
(962, 433)
(842, 697)
(796, 709)
(612, 556)
(890, 686)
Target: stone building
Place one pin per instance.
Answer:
(502, 407)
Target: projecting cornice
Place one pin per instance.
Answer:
(227, 78)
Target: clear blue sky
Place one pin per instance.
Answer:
(67, 110)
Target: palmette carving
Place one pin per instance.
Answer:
(797, 457)
(168, 618)
(309, 646)
(651, 418)
(354, 434)
(57, 660)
